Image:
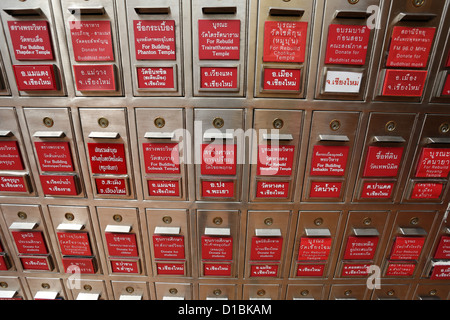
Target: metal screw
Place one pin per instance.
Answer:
(159, 122)
(103, 122)
(418, 3)
(167, 219)
(367, 221)
(173, 291)
(268, 221)
(335, 125)
(87, 287)
(318, 221)
(22, 215)
(45, 286)
(218, 123)
(390, 126)
(444, 128)
(129, 289)
(414, 221)
(117, 218)
(48, 122)
(278, 123)
(217, 220)
(217, 292)
(304, 293)
(261, 292)
(69, 216)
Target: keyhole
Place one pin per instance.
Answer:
(335, 125)
(390, 126)
(48, 122)
(159, 122)
(218, 123)
(103, 122)
(278, 123)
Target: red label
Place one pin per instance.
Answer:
(427, 191)
(219, 78)
(218, 159)
(29, 242)
(355, 270)
(263, 270)
(281, 79)
(434, 163)
(285, 41)
(404, 83)
(54, 156)
(347, 44)
(377, 190)
(10, 158)
(329, 161)
(443, 249)
(125, 266)
(92, 40)
(446, 89)
(121, 244)
(168, 247)
(266, 248)
(275, 160)
(35, 77)
(154, 39)
(272, 189)
(383, 161)
(407, 248)
(111, 186)
(316, 248)
(3, 263)
(170, 268)
(400, 269)
(360, 248)
(310, 270)
(95, 77)
(217, 248)
(410, 47)
(59, 185)
(155, 78)
(12, 184)
(325, 190)
(219, 39)
(218, 189)
(107, 158)
(163, 188)
(441, 272)
(35, 263)
(161, 158)
(217, 269)
(74, 243)
(31, 40)
(86, 265)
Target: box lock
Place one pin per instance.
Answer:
(22, 215)
(278, 123)
(129, 289)
(45, 286)
(3, 285)
(318, 221)
(218, 123)
(414, 221)
(367, 221)
(167, 219)
(418, 3)
(444, 128)
(217, 292)
(432, 292)
(304, 293)
(69, 216)
(390, 126)
(347, 292)
(103, 122)
(390, 293)
(353, 1)
(261, 292)
(48, 122)
(87, 287)
(159, 122)
(335, 125)
(117, 218)
(268, 221)
(217, 220)
(173, 291)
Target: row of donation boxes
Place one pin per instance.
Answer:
(227, 244)
(380, 158)
(350, 39)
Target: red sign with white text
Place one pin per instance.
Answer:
(219, 77)
(59, 185)
(400, 269)
(31, 40)
(86, 265)
(111, 186)
(161, 158)
(443, 249)
(13, 184)
(217, 189)
(266, 248)
(275, 160)
(30, 242)
(329, 160)
(163, 188)
(314, 248)
(4, 266)
(446, 89)
(217, 269)
(35, 77)
(154, 39)
(35, 263)
(74, 243)
(325, 190)
(170, 268)
(10, 158)
(107, 158)
(407, 248)
(441, 272)
(310, 270)
(360, 248)
(92, 40)
(427, 190)
(219, 39)
(217, 248)
(377, 190)
(218, 159)
(404, 83)
(264, 270)
(54, 156)
(121, 244)
(434, 163)
(99, 77)
(281, 79)
(347, 44)
(125, 266)
(272, 189)
(410, 47)
(285, 41)
(168, 247)
(383, 161)
(355, 270)
(155, 78)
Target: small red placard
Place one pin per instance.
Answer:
(407, 248)
(275, 160)
(355, 270)
(111, 186)
(264, 270)
(95, 77)
(443, 249)
(400, 269)
(360, 248)
(54, 156)
(3, 263)
(272, 189)
(13, 184)
(329, 160)
(29, 242)
(92, 40)
(35, 263)
(168, 247)
(383, 161)
(35, 77)
(347, 44)
(107, 158)
(217, 248)
(317, 249)
(10, 158)
(121, 244)
(218, 159)
(219, 78)
(168, 268)
(31, 40)
(377, 190)
(441, 272)
(285, 41)
(154, 39)
(217, 269)
(310, 270)
(161, 158)
(86, 265)
(404, 83)
(281, 79)
(59, 185)
(427, 190)
(155, 78)
(325, 190)
(446, 89)
(434, 163)
(74, 243)
(410, 47)
(163, 188)
(217, 189)
(266, 248)
(125, 266)
(219, 39)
